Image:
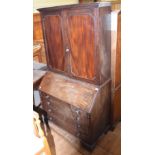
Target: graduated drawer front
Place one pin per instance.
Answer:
(65, 115)
(70, 127)
(54, 107)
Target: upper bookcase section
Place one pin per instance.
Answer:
(78, 40)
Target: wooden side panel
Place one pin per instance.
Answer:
(116, 97)
(116, 66)
(81, 37)
(54, 42)
(116, 49)
(118, 54)
(105, 42)
(100, 114)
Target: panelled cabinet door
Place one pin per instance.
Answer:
(80, 30)
(54, 41)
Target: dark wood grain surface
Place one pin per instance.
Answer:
(75, 43)
(118, 54)
(82, 105)
(54, 42)
(81, 36)
(116, 67)
(74, 92)
(116, 100)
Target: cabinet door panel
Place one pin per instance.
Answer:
(81, 37)
(54, 42)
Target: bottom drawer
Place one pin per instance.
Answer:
(66, 113)
(70, 127)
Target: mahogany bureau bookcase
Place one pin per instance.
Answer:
(76, 92)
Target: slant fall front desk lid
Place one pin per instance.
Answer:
(76, 93)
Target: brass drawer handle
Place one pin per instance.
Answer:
(49, 110)
(51, 107)
(48, 103)
(78, 134)
(47, 97)
(77, 112)
(67, 49)
(50, 118)
(77, 118)
(78, 126)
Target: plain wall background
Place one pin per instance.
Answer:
(46, 3)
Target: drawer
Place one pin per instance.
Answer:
(70, 127)
(44, 96)
(81, 117)
(66, 113)
(52, 102)
(59, 108)
(61, 116)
